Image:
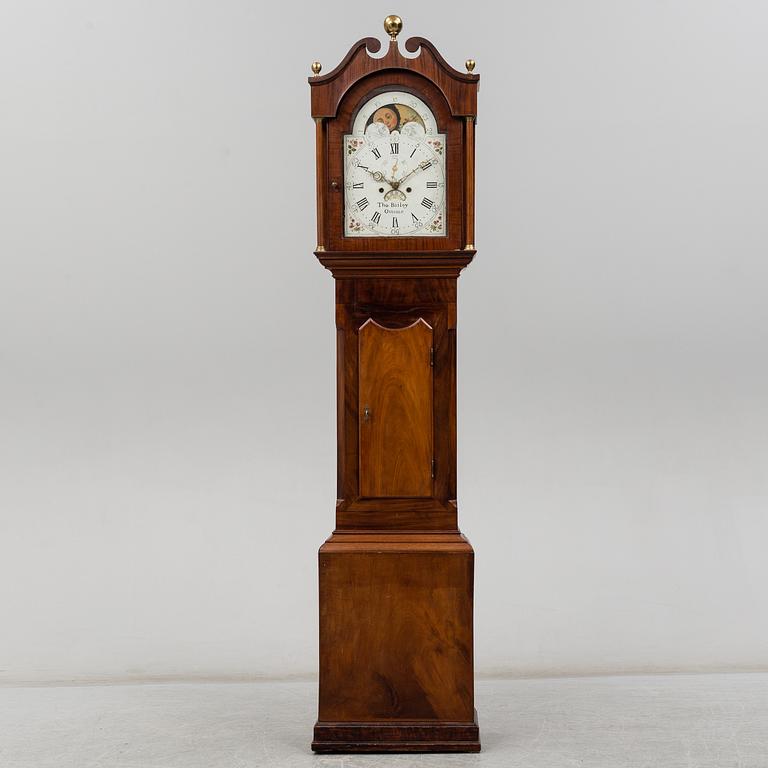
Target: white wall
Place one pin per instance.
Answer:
(166, 336)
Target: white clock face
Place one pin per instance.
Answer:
(394, 170)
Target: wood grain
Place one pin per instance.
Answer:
(459, 88)
(396, 629)
(403, 736)
(321, 149)
(396, 303)
(395, 371)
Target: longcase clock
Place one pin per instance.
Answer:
(395, 139)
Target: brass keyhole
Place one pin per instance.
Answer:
(366, 413)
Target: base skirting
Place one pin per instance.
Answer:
(394, 736)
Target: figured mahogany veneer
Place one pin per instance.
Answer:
(396, 576)
(396, 644)
(395, 368)
(459, 88)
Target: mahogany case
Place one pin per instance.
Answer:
(396, 575)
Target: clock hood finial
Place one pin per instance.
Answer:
(392, 25)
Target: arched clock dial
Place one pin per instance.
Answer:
(394, 171)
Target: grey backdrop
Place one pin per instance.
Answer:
(167, 463)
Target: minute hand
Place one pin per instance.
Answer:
(420, 167)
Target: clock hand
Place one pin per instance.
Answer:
(394, 184)
(379, 176)
(420, 167)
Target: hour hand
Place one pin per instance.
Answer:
(379, 176)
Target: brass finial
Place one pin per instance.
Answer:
(316, 67)
(470, 65)
(392, 26)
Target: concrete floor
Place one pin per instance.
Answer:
(696, 721)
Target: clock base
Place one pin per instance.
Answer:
(396, 644)
(402, 736)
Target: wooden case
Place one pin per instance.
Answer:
(396, 575)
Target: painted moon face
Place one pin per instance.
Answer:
(394, 110)
(388, 116)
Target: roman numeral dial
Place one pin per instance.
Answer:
(394, 174)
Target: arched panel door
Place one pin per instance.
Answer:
(396, 417)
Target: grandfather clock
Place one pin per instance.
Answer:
(395, 225)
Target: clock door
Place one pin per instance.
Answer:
(396, 410)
